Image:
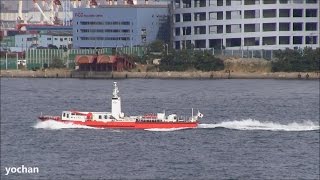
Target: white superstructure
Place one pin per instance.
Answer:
(116, 103)
(245, 24)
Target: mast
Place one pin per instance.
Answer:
(20, 5)
(116, 103)
(192, 114)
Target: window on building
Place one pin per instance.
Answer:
(216, 29)
(61, 39)
(187, 44)
(177, 31)
(298, 1)
(251, 2)
(56, 39)
(233, 2)
(297, 39)
(186, 30)
(186, 17)
(271, 40)
(284, 26)
(220, 2)
(177, 44)
(48, 39)
(311, 1)
(311, 39)
(216, 43)
(311, 26)
(269, 27)
(233, 28)
(297, 12)
(284, 12)
(200, 16)
(233, 42)
(269, 13)
(199, 29)
(176, 4)
(269, 1)
(213, 3)
(200, 43)
(251, 41)
(248, 14)
(233, 14)
(177, 17)
(284, 40)
(200, 3)
(283, 1)
(125, 23)
(297, 26)
(311, 12)
(252, 27)
(217, 15)
(186, 3)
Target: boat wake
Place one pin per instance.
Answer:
(165, 129)
(54, 125)
(251, 124)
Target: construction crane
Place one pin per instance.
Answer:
(41, 11)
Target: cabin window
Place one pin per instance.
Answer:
(72, 114)
(100, 117)
(105, 117)
(67, 115)
(64, 114)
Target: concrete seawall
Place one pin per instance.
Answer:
(157, 75)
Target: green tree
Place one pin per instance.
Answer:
(184, 60)
(290, 60)
(156, 46)
(57, 63)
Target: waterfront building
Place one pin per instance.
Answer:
(49, 40)
(245, 24)
(120, 25)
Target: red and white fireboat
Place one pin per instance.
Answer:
(117, 119)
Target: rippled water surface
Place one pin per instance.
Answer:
(252, 129)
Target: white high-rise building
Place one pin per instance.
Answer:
(245, 24)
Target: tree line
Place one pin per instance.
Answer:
(296, 60)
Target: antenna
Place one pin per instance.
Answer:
(115, 90)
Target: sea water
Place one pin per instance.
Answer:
(251, 129)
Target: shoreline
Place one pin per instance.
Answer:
(58, 73)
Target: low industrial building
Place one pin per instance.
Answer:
(49, 40)
(103, 63)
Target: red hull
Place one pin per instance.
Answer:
(127, 125)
